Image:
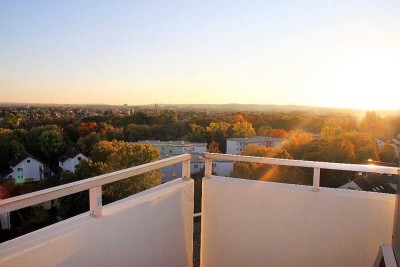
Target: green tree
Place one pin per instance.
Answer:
(86, 143)
(364, 146)
(339, 150)
(111, 132)
(32, 142)
(387, 153)
(218, 132)
(9, 146)
(12, 121)
(129, 156)
(103, 149)
(216, 127)
(264, 130)
(213, 147)
(298, 144)
(243, 129)
(331, 132)
(112, 156)
(136, 132)
(51, 143)
(256, 171)
(197, 133)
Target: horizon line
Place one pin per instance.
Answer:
(193, 104)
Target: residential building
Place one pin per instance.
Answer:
(236, 146)
(70, 159)
(373, 183)
(173, 148)
(26, 168)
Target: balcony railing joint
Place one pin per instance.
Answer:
(316, 179)
(186, 170)
(95, 200)
(208, 168)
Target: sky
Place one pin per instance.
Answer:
(342, 54)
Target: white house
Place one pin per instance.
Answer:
(70, 159)
(26, 168)
(238, 145)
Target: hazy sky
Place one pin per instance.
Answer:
(321, 53)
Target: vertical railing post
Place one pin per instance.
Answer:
(95, 201)
(186, 170)
(316, 178)
(208, 168)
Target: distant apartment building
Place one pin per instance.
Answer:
(174, 148)
(238, 145)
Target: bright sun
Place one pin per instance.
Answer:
(366, 80)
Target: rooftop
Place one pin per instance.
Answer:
(20, 157)
(254, 139)
(69, 154)
(171, 143)
(374, 183)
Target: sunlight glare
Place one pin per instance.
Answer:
(366, 80)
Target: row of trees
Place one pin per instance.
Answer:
(104, 139)
(110, 156)
(49, 140)
(334, 145)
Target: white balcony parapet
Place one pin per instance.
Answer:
(151, 228)
(317, 166)
(289, 225)
(257, 223)
(92, 184)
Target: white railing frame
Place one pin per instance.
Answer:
(316, 165)
(93, 185)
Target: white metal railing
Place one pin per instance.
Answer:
(317, 166)
(93, 185)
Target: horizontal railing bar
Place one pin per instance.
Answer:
(303, 163)
(19, 202)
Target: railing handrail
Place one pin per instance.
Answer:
(304, 163)
(19, 202)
